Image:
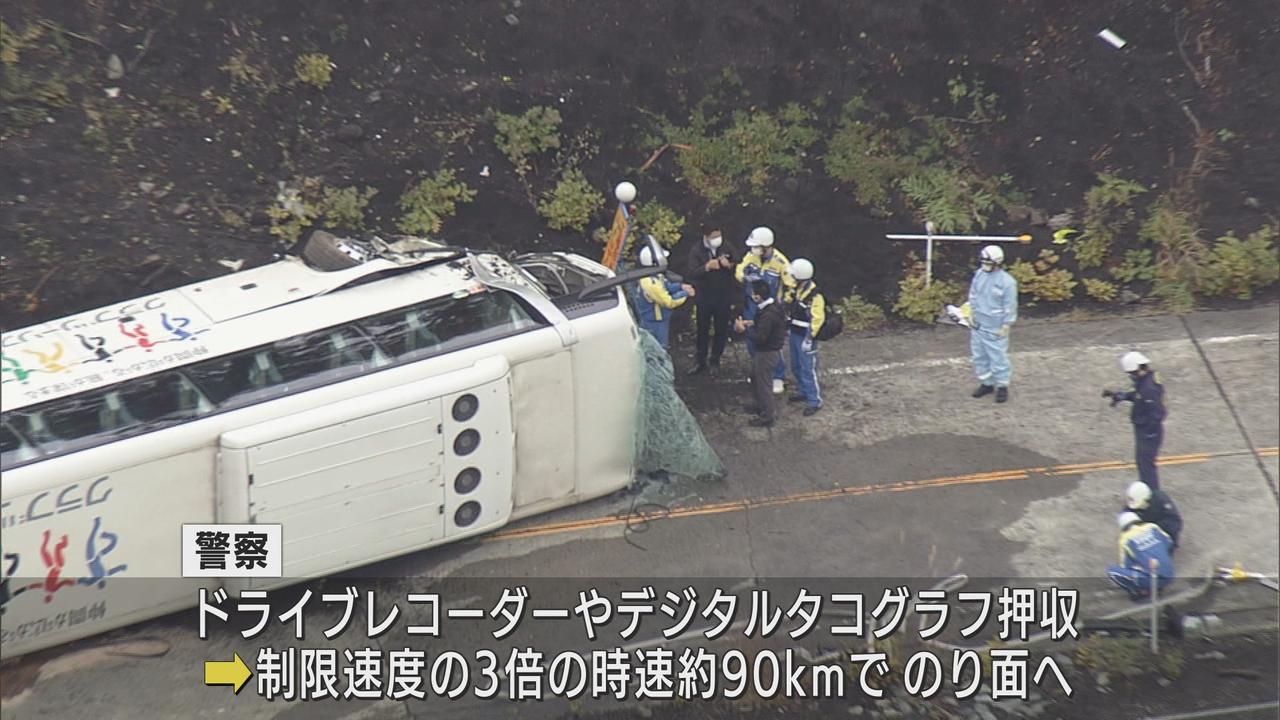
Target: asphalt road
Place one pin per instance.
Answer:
(902, 475)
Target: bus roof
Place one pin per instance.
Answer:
(205, 319)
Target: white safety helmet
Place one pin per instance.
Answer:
(646, 256)
(992, 254)
(1138, 495)
(1132, 360)
(801, 269)
(760, 237)
(1127, 518)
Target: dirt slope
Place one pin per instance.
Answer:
(108, 197)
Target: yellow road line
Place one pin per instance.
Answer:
(857, 490)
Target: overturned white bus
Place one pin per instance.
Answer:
(372, 398)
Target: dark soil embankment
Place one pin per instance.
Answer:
(114, 187)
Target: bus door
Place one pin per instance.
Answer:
(377, 475)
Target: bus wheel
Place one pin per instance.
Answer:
(326, 252)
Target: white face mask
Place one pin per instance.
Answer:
(714, 242)
(988, 266)
(757, 251)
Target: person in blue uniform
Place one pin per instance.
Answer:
(1140, 544)
(1147, 414)
(806, 310)
(657, 299)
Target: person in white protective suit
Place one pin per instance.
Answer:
(993, 304)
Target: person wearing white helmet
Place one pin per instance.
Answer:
(657, 299)
(1147, 415)
(806, 310)
(1154, 506)
(1140, 544)
(993, 305)
(763, 262)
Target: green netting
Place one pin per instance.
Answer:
(668, 438)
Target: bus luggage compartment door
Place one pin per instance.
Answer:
(377, 475)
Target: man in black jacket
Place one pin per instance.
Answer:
(1147, 415)
(1154, 506)
(710, 270)
(768, 332)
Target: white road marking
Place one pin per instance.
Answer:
(950, 361)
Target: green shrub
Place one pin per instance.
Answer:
(1041, 280)
(343, 208)
(746, 155)
(291, 212)
(1136, 265)
(1100, 290)
(858, 314)
(767, 143)
(431, 201)
(1180, 254)
(313, 69)
(868, 157)
(1056, 285)
(1106, 211)
(1024, 272)
(570, 205)
(521, 137)
(654, 218)
(947, 198)
(924, 304)
(981, 105)
(1239, 267)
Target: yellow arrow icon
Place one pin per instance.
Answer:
(233, 672)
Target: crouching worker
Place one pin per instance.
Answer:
(1155, 506)
(1140, 543)
(657, 299)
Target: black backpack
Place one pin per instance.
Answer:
(832, 324)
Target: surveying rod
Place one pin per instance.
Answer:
(929, 237)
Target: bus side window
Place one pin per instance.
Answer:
(224, 378)
(305, 356)
(13, 447)
(404, 331)
(65, 424)
(168, 396)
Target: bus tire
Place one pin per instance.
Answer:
(323, 251)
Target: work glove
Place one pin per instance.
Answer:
(807, 345)
(1003, 331)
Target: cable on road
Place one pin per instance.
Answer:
(637, 519)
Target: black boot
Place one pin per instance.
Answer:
(983, 390)
(1002, 395)
(798, 397)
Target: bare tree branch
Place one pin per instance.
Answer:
(1180, 38)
